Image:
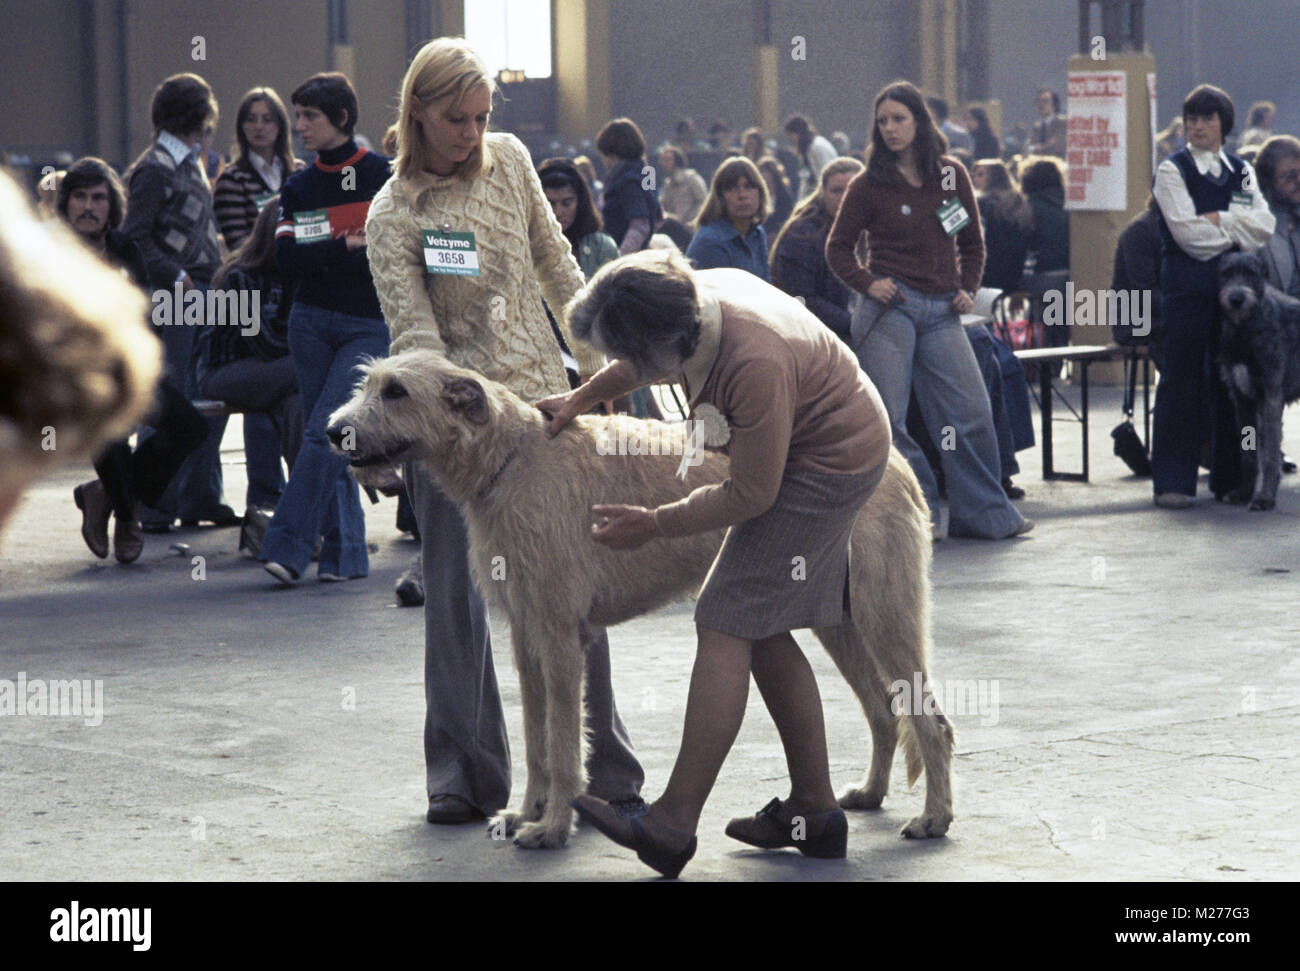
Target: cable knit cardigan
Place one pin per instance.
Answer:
(493, 323)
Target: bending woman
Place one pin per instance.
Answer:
(808, 442)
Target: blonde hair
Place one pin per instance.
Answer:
(445, 67)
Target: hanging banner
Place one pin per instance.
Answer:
(1095, 145)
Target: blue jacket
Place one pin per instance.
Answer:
(719, 244)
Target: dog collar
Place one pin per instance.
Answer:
(510, 457)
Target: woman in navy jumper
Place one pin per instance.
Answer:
(336, 321)
(1209, 204)
(630, 205)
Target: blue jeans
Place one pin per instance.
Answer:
(262, 459)
(920, 341)
(321, 498)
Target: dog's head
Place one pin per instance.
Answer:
(418, 406)
(1241, 286)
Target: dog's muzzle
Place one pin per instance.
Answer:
(1238, 302)
(342, 440)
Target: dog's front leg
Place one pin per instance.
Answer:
(561, 668)
(1269, 441)
(532, 690)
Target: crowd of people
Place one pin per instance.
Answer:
(885, 252)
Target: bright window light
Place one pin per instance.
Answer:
(511, 35)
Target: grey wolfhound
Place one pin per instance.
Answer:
(527, 503)
(1259, 360)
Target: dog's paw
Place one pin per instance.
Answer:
(1262, 504)
(927, 827)
(862, 799)
(542, 836)
(506, 824)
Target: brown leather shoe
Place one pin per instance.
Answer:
(128, 538)
(820, 835)
(657, 846)
(92, 500)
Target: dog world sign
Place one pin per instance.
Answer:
(1095, 144)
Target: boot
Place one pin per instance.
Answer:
(92, 500)
(128, 538)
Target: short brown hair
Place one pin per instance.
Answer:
(183, 104)
(622, 139)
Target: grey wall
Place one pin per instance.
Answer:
(693, 57)
(670, 58)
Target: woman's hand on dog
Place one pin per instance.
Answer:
(623, 527)
(560, 409)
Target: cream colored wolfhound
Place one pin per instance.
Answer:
(527, 502)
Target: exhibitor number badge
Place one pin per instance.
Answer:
(953, 216)
(454, 254)
(312, 226)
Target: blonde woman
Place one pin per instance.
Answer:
(454, 181)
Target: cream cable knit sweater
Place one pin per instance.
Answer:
(493, 323)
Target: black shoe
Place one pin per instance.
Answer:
(652, 841)
(824, 836)
(410, 585)
(253, 530)
(1012, 490)
(155, 528)
(220, 517)
(1287, 465)
(447, 809)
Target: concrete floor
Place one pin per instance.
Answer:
(1138, 722)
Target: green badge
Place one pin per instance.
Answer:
(455, 254)
(263, 199)
(312, 226)
(1243, 199)
(953, 216)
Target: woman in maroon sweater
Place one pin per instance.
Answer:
(926, 254)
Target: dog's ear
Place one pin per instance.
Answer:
(466, 395)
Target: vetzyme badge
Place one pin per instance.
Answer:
(454, 254)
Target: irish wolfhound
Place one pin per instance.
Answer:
(1259, 360)
(527, 502)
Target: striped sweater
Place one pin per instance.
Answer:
(234, 199)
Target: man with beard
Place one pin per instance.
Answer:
(91, 200)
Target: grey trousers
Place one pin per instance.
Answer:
(466, 751)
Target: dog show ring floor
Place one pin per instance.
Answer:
(1123, 682)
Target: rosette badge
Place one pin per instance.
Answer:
(708, 429)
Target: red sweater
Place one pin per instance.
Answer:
(911, 247)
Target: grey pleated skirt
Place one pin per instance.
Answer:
(788, 568)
